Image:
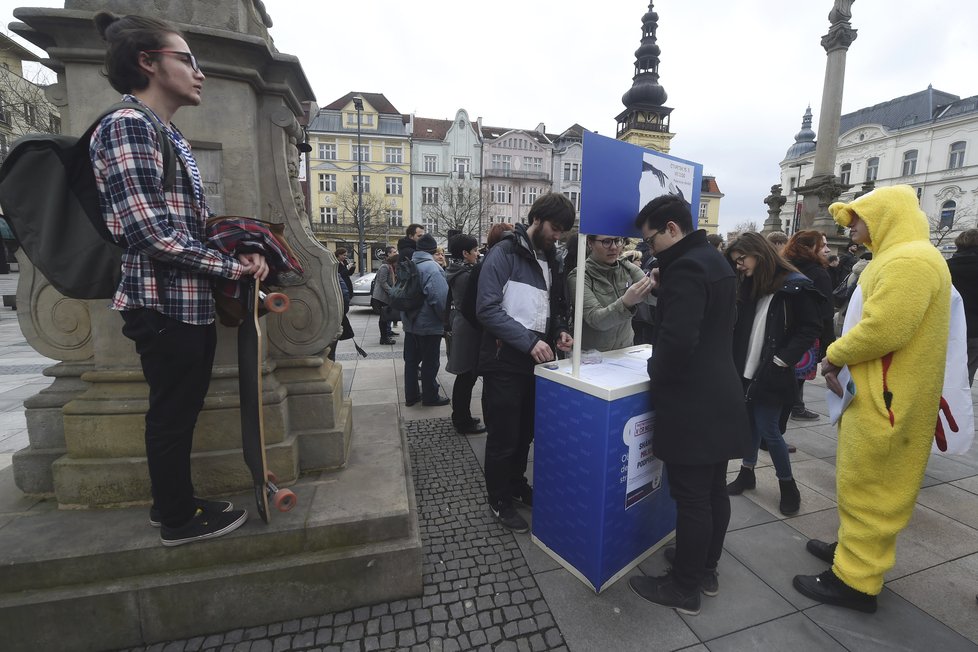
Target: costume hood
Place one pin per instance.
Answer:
(892, 216)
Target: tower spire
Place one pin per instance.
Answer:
(645, 120)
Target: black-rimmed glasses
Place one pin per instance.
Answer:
(608, 243)
(186, 57)
(651, 239)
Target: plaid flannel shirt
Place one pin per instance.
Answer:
(164, 231)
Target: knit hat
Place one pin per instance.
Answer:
(427, 243)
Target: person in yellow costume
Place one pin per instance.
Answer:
(896, 354)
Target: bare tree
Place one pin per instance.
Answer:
(747, 226)
(24, 108)
(947, 223)
(376, 216)
(461, 206)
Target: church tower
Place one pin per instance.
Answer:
(645, 120)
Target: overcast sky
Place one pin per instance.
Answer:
(738, 74)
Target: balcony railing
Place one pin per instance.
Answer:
(509, 173)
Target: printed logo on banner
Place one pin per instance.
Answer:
(619, 179)
(644, 474)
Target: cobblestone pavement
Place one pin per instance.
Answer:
(479, 593)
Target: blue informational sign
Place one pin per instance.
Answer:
(619, 178)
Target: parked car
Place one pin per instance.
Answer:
(363, 287)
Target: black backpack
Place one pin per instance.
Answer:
(50, 199)
(406, 294)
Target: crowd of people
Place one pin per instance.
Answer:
(745, 323)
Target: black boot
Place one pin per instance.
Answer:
(744, 480)
(790, 498)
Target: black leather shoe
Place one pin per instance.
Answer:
(473, 428)
(411, 402)
(822, 550)
(829, 589)
(438, 403)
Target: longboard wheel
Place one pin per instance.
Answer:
(277, 302)
(284, 500)
(271, 477)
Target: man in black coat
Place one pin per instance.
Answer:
(964, 275)
(692, 364)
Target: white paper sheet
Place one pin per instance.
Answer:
(838, 404)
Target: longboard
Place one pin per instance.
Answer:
(250, 357)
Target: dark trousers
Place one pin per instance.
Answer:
(177, 359)
(384, 322)
(421, 351)
(507, 407)
(800, 401)
(703, 513)
(462, 398)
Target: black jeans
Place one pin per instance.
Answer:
(384, 322)
(421, 351)
(462, 398)
(507, 407)
(703, 513)
(177, 359)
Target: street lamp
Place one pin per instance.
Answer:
(361, 254)
(796, 221)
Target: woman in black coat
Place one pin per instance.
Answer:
(778, 320)
(809, 252)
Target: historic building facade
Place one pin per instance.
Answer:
(23, 106)
(516, 169)
(359, 158)
(446, 176)
(926, 140)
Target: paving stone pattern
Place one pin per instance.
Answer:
(479, 593)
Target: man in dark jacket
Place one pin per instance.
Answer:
(964, 276)
(692, 359)
(407, 245)
(520, 303)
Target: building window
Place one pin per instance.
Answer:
(872, 168)
(368, 119)
(395, 217)
(327, 183)
(4, 146)
(703, 207)
(533, 163)
(956, 157)
(327, 215)
(501, 194)
(327, 151)
(54, 124)
(356, 183)
(502, 161)
(845, 171)
(947, 214)
(572, 171)
(528, 195)
(910, 162)
(393, 155)
(351, 119)
(461, 165)
(395, 185)
(575, 199)
(429, 223)
(30, 114)
(429, 195)
(430, 163)
(360, 152)
(4, 113)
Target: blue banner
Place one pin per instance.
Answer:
(619, 178)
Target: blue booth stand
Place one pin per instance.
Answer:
(601, 501)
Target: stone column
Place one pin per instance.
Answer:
(824, 187)
(244, 137)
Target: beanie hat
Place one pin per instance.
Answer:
(427, 243)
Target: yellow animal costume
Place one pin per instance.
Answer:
(896, 354)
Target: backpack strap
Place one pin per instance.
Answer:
(169, 157)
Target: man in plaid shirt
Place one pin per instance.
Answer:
(165, 294)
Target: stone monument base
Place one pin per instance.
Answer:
(100, 579)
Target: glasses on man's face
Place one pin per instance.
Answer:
(608, 243)
(650, 241)
(186, 57)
